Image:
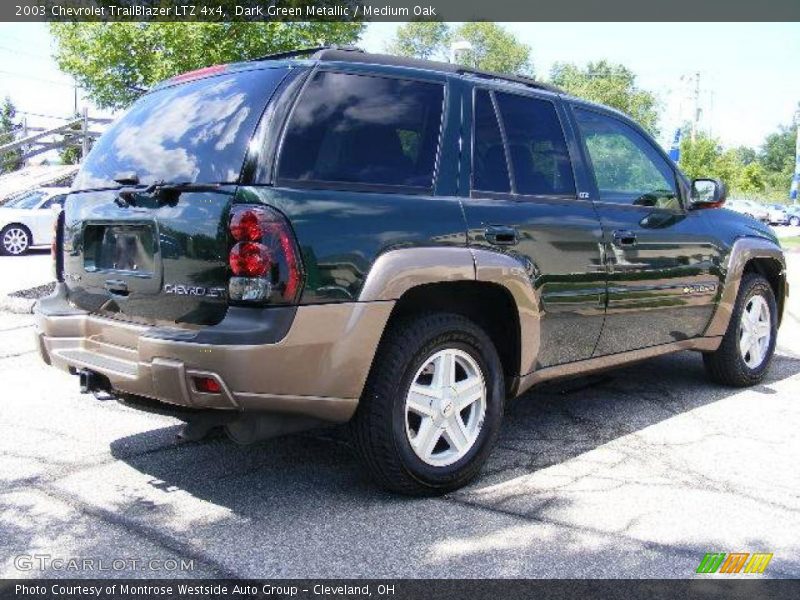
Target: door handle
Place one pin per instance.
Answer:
(624, 238)
(501, 235)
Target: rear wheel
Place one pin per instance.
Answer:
(15, 240)
(749, 343)
(432, 407)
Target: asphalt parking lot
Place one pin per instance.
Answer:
(637, 473)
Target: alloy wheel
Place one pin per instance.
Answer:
(445, 407)
(755, 331)
(15, 240)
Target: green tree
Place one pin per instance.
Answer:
(777, 159)
(421, 39)
(12, 159)
(699, 157)
(494, 48)
(114, 62)
(610, 84)
(751, 179)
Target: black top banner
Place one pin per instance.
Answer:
(400, 10)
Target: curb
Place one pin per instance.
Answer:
(19, 306)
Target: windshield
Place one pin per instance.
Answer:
(30, 200)
(192, 132)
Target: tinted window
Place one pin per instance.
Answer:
(363, 129)
(538, 151)
(490, 171)
(627, 167)
(193, 132)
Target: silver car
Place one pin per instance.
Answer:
(27, 221)
(748, 207)
(777, 214)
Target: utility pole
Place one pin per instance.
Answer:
(796, 178)
(696, 116)
(85, 134)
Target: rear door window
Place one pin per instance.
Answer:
(537, 149)
(196, 131)
(490, 170)
(364, 129)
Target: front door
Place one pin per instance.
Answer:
(662, 262)
(523, 201)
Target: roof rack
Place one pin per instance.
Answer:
(305, 52)
(354, 54)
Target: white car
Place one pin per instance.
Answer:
(777, 214)
(748, 207)
(27, 221)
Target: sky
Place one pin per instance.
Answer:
(749, 72)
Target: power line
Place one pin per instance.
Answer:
(24, 76)
(25, 53)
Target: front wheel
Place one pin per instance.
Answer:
(432, 406)
(747, 347)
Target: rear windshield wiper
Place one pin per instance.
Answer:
(162, 191)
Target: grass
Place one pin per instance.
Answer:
(791, 243)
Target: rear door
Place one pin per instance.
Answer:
(524, 201)
(662, 261)
(159, 254)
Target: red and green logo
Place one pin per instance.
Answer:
(733, 563)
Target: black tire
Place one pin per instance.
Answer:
(379, 425)
(726, 365)
(6, 251)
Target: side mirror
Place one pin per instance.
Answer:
(707, 193)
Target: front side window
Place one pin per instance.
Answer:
(627, 168)
(363, 129)
(537, 148)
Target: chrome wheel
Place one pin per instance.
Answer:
(755, 332)
(15, 240)
(445, 407)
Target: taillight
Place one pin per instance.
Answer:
(264, 260)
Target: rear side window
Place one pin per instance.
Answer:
(536, 146)
(490, 171)
(193, 132)
(362, 129)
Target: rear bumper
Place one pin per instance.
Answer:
(317, 369)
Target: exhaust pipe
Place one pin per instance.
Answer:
(92, 382)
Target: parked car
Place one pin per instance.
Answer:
(400, 244)
(749, 208)
(777, 214)
(27, 221)
(793, 214)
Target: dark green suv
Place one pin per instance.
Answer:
(401, 244)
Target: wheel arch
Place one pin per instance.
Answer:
(748, 255)
(464, 281)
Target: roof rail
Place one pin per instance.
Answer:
(304, 52)
(523, 79)
(354, 54)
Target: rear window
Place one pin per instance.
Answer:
(363, 129)
(193, 132)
